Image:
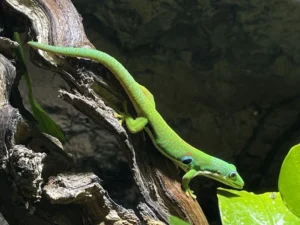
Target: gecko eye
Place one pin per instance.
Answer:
(187, 160)
(232, 175)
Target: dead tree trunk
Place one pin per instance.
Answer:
(37, 185)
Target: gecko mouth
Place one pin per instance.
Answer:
(221, 179)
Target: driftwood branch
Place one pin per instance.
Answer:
(35, 164)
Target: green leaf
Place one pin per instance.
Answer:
(242, 207)
(176, 221)
(289, 180)
(45, 123)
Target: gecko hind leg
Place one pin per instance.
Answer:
(134, 125)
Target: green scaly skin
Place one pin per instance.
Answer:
(193, 161)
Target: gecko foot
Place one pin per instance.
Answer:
(190, 193)
(119, 116)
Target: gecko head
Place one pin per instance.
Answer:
(216, 169)
(225, 173)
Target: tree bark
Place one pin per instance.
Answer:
(37, 182)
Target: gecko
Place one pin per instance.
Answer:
(191, 160)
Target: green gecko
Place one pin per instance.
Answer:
(193, 161)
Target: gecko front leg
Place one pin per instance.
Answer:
(185, 183)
